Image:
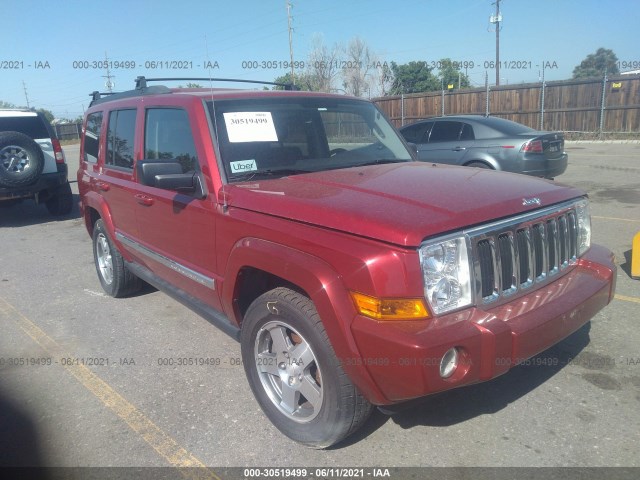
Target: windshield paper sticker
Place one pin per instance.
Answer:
(243, 166)
(250, 127)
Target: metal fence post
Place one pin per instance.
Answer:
(402, 108)
(602, 102)
(442, 106)
(544, 84)
(486, 87)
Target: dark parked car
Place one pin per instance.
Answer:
(488, 142)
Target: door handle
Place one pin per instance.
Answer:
(459, 149)
(143, 200)
(103, 186)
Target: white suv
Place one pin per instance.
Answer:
(32, 164)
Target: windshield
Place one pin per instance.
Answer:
(274, 137)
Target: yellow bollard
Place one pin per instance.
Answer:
(635, 256)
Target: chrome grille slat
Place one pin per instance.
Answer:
(510, 257)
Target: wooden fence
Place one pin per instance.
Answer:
(606, 105)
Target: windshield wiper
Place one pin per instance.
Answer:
(271, 172)
(381, 161)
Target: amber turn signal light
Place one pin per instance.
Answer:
(390, 308)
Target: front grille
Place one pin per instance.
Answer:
(512, 256)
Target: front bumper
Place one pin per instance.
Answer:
(403, 358)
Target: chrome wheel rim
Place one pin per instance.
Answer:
(14, 159)
(105, 262)
(289, 371)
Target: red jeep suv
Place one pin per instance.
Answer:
(352, 275)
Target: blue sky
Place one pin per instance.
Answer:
(54, 35)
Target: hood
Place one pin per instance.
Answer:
(401, 203)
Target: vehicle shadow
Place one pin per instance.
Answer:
(28, 212)
(626, 266)
(20, 445)
(453, 407)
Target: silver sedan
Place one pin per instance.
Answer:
(488, 142)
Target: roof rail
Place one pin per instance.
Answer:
(143, 89)
(141, 81)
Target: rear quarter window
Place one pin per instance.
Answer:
(92, 136)
(32, 127)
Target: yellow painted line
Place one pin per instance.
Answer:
(616, 219)
(162, 443)
(627, 299)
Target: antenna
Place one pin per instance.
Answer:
(24, 86)
(497, 19)
(108, 84)
(289, 7)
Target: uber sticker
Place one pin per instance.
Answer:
(243, 166)
(250, 127)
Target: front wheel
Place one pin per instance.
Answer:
(294, 373)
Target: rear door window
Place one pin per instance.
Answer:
(467, 132)
(120, 139)
(445, 131)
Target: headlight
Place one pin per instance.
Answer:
(446, 273)
(584, 226)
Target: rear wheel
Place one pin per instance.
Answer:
(294, 373)
(479, 165)
(21, 160)
(114, 276)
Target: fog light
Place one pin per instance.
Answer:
(449, 363)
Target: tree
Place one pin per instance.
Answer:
(358, 62)
(48, 115)
(597, 63)
(450, 74)
(413, 77)
(303, 80)
(384, 78)
(323, 65)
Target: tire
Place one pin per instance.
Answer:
(114, 276)
(287, 357)
(479, 165)
(21, 160)
(61, 203)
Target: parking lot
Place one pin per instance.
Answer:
(102, 381)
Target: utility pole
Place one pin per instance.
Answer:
(24, 86)
(496, 20)
(289, 7)
(109, 84)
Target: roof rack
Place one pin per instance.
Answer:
(141, 82)
(143, 89)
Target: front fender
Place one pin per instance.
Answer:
(324, 287)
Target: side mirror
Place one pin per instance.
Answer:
(168, 176)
